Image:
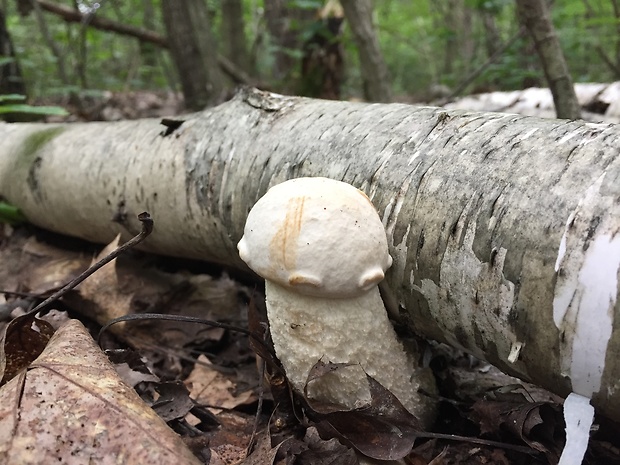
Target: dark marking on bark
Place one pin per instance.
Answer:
(571, 152)
(461, 336)
(476, 298)
(479, 338)
(346, 173)
(33, 177)
(171, 126)
(494, 203)
(453, 228)
(594, 222)
(421, 240)
(487, 153)
(513, 318)
(120, 216)
(423, 175)
(493, 256)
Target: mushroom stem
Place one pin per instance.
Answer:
(352, 330)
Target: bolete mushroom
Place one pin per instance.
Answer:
(322, 249)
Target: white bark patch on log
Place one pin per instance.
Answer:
(586, 288)
(472, 202)
(578, 415)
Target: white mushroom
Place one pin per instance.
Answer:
(322, 249)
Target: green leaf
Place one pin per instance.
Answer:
(32, 110)
(6, 60)
(307, 4)
(10, 214)
(12, 98)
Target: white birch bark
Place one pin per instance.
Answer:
(503, 228)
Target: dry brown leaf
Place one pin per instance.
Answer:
(263, 453)
(71, 407)
(537, 424)
(21, 341)
(210, 387)
(51, 266)
(53, 274)
(382, 429)
(180, 294)
(33, 246)
(103, 290)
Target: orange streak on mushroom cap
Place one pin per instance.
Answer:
(283, 247)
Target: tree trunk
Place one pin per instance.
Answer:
(234, 45)
(57, 51)
(492, 37)
(285, 24)
(194, 52)
(535, 16)
(503, 228)
(322, 67)
(148, 51)
(11, 81)
(374, 71)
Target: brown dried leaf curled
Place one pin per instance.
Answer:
(537, 424)
(21, 342)
(383, 429)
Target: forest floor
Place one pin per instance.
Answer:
(208, 384)
(204, 381)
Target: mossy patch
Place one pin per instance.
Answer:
(29, 159)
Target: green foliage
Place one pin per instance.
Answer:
(110, 61)
(424, 42)
(306, 4)
(10, 104)
(10, 214)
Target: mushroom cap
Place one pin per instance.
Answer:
(318, 237)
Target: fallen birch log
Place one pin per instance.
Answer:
(503, 228)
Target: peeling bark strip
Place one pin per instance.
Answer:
(503, 228)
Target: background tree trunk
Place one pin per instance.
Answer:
(194, 52)
(374, 71)
(234, 43)
(322, 66)
(11, 81)
(503, 228)
(492, 38)
(57, 51)
(148, 52)
(535, 16)
(285, 25)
